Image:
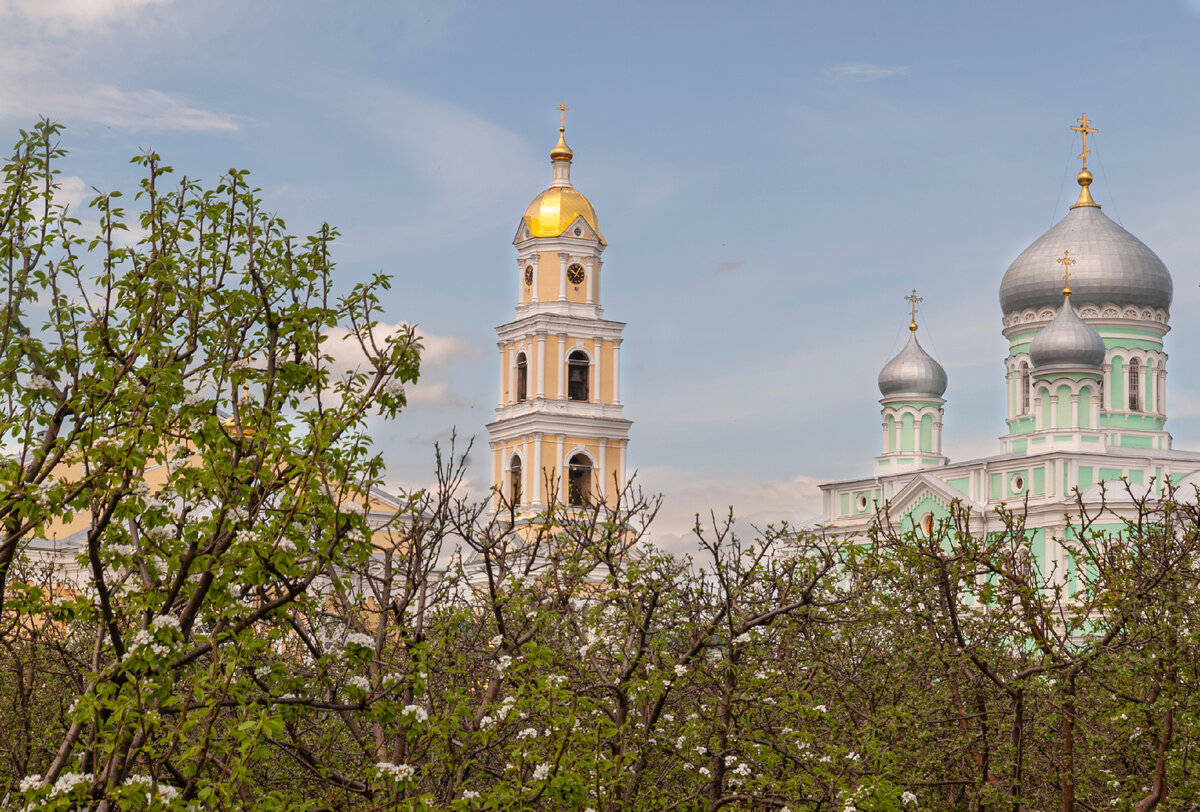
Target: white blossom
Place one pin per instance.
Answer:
(68, 781)
(704, 771)
(399, 772)
(742, 769)
(393, 388)
(360, 684)
(38, 383)
(469, 794)
(908, 798)
(360, 639)
(821, 709)
(541, 772)
(528, 733)
(30, 783)
(680, 670)
(165, 622)
(496, 641)
(742, 638)
(417, 712)
(504, 662)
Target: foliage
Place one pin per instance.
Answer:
(231, 616)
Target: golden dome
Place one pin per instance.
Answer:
(553, 211)
(561, 151)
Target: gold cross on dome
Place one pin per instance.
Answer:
(1066, 261)
(1084, 129)
(562, 115)
(913, 298)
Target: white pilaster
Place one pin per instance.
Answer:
(563, 368)
(597, 346)
(504, 365)
(616, 371)
(539, 476)
(541, 371)
(559, 477)
(603, 477)
(562, 277)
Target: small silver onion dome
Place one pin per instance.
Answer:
(912, 372)
(1066, 342)
(1114, 267)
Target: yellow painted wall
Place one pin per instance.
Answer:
(548, 276)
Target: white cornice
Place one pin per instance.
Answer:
(554, 323)
(550, 425)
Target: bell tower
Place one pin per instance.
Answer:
(559, 435)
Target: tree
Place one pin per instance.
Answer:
(120, 355)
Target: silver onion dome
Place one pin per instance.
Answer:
(1066, 342)
(912, 372)
(1114, 267)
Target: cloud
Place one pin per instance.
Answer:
(757, 502)
(726, 267)
(149, 110)
(863, 71)
(59, 15)
(439, 351)
(471, 168)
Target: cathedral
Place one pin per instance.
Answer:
(1085, 309)
(559, 436)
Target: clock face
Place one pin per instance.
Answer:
(575, 274)
(528, 274)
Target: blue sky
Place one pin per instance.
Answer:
(772, 179)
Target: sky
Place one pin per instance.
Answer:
(772, 180)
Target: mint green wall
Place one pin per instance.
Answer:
(927, 433)
(1022, 425)
(1039, 481)
(1086, 474)
(1117, 389)
(1085, 408)
(891, 435)
(906, 434)
(961, 484)
(1063, 418)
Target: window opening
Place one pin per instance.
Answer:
(577, 376)
(514, 471)
(522, 378)
(1135, 369)
(579, 482)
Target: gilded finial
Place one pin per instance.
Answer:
(561, 151)
(1066, 261)
(913, 299)
(1085, 177)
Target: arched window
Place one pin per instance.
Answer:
(577, 375)
(522, 377)
(514, 473)
(579, 481)
(1023, 382)
(1135, 373)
